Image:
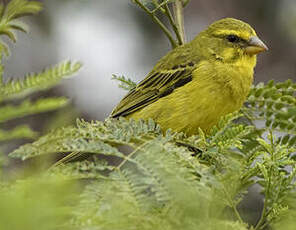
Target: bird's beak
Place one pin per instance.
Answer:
(255, 46)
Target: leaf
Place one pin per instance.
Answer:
(8, 15)
(20, 8)
(36, 82)
(27, 107)
(8, 33)
(20, 132)
(87, 169)
(124, 83)
(267, 146)
(17, 25)
(65, 145)
(276, 104)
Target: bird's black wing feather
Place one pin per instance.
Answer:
(156, 85)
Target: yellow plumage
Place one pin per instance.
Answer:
(197, 83)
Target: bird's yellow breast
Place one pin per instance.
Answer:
(216, 89)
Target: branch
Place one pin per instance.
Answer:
(179, 19)
(157, 21)
(176, 19)
(1, 67)
(174, 25)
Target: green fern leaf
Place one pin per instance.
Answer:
(87, 169)
(37, 82)
(8, 15)
(20, 132)
(27, 107)
(274, 103)
(64, 145)
(90, 137)
(20, 8)
(124, 83)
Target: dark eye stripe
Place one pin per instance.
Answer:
(233, 38)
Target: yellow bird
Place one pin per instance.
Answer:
(197, 83)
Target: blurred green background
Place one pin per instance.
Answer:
(115, 37)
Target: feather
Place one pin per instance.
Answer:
(154, 86)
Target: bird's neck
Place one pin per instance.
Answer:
(242, 79)
(237, 76)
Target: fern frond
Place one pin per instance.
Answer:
(167, 180)
(272, 163)
(64, 145)
(287, 139)
(27, 107)
(87, 169)
(232, 137)
(225, 137)
(275, 104)
(95, 210)
(153, 193)
(8, 18)
(224, 123)
(90, 137)
(19, 132)
(120, 131)
(37, 82)
(149, 170)
(134, 184)
(151, 188)
(3, 49)
(19, 8)
(124, 83)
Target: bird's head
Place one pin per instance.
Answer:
(230, 40)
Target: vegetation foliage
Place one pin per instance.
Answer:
(138, 177)
(13, 91)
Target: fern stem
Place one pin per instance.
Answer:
(232, 204)
(261, 223)
(237, 214)
(262, 217)
(128, 157)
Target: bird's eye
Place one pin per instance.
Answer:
(233, 38)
